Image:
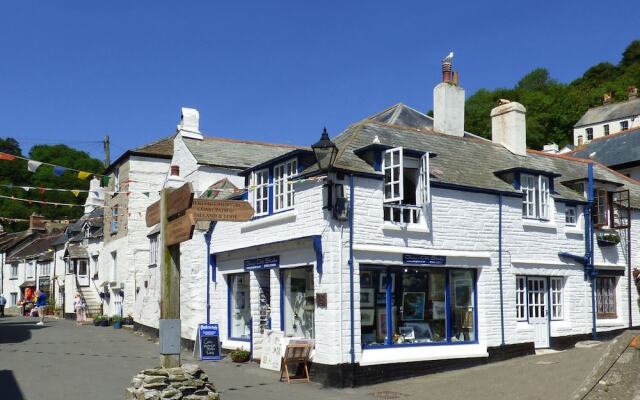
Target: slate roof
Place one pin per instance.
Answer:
(9, 240)
(467, 161)
(34, 249)
(614, 150)
(227, 194)
(162, 148)
(610, 112)
(76, 251)
(233, 153)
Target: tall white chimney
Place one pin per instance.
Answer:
(509, 127)
(95, 197)
(189, 126)
(448, 102)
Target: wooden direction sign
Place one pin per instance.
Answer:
(178, 201)
(180, 230)
(221, 210)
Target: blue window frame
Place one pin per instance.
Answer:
(421, 306)
(238, 307)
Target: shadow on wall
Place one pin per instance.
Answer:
(9, 385)
(16, 332)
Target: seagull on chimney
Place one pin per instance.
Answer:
(448, 58)
(376, 140)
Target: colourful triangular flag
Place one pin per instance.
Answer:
(41, 189)
(32, 166)
(58, 170)
(105, 181)
(83, 175)
(209, 192)
(75, 192)
(8, 157)
(26, 188)
(146, 193)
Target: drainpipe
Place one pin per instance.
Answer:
(2, 274)
(500, 265)
(629, 266)
(351, 285)
(589, 267)
(207, 239)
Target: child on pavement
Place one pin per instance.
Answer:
(41, 302)
(80, 308)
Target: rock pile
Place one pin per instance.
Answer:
(187, 382)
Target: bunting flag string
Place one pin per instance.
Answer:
(33, 165)
(45, 203)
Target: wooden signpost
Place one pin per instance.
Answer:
(177, 213)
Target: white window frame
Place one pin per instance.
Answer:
(31, 269)
(528, 187)
(393, 170)
(424, 182)
(283, 192)
(571, 215)
(153, 250)
(556, 292)
(45, 269)
(114, 266)
(14, 271)
(114, 219)
(521, 298)
(259, 192)
(536, 194)
(116, 180)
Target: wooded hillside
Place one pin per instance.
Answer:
(553, 107)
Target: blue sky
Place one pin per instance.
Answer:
(277, 71)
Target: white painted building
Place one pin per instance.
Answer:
(607, 119)
(423, 243)
(482, 241)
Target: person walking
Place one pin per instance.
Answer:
(3, 302)
(41, 302)
(80, 307)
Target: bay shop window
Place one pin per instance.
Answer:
(298, 302)
(406, 185)
(418, 306)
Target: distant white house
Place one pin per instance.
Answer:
(608, 118)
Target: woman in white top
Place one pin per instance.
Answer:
(80, 308)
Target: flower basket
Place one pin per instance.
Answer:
(608, 238)
(240, 356)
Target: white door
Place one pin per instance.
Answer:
(538, 318)
(83, 272)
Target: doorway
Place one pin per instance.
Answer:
(82, 273)
(538, 310)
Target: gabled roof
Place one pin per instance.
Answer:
(609, 112)
(467, 161)
(34, 249)
(221, 190)
(614, 150)
(233, 153)
(162, 148)
(9, 240)
(402, 115)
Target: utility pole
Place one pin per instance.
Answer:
(107, 152)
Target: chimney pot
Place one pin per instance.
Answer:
(175, 170)
(448, 102)
(189, 126)
(551, 148)
(509, 128)
(606, 99)
(633, 92)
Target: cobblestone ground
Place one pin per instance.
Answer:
(60, 361)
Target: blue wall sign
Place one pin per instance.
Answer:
(262, 263)
(209, 341)
(416, 259)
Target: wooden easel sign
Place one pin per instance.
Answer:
(208, 342)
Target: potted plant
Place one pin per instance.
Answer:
(96, 320)
(116, 321)
(239, 355)
(608, 238)
(128, 320)
(104, 320)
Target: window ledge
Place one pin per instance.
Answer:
(270, 220)
(541, 224)
(390, 226)
(612, 323)
(573, 230)
(398, 354)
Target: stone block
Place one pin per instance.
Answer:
(155, 372)
(154, 379)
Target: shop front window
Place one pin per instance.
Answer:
(298, 301)
(418, 305)
(239, 307)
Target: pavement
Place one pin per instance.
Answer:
(61, 361)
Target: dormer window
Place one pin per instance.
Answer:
(259, 195)
(283, 194)
(535, 199)
(406, 185)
